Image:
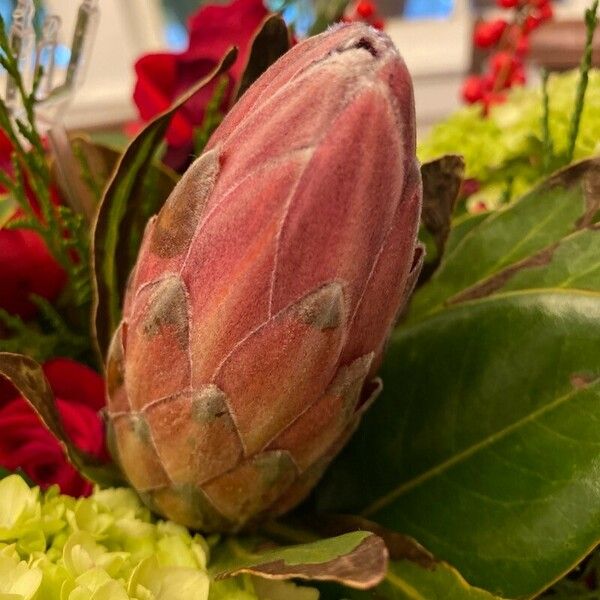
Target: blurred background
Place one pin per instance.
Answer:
(434, 36)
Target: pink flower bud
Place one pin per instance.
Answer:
(267, 286)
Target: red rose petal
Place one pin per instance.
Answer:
(26, 267)
(161, 78)
(75, 382)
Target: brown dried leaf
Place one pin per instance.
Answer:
(358, 560)
(442, 180)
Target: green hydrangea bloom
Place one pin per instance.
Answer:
(108, 547)
(504, 150)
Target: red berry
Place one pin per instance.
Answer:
(507, 3)
(494, 98)
(469, 186)
(489, 33)
(517, 77)
(531, 22)
(478, 207)
(378, 24)
(473, 89)
(545, 12)
(522, 46)
(502, 62)
(488, 82)
(365, 9)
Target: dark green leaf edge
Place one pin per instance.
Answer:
(271, 41)
(108, 227)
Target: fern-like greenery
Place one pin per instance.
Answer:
(62, 329)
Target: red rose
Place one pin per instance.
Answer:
(161, 78)
(26, 265)
(26, 444)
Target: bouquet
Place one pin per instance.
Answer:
(263, 353)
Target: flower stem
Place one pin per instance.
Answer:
(591, 21)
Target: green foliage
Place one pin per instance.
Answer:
(591, 21)
(47, 337)
(213, 116)
(510, 144)
(270, 42)
(64, 232)
(326, 13)
(406, 580)
(486, 437)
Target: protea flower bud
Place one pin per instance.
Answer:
(266, 287)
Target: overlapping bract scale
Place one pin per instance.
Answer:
(266, 288)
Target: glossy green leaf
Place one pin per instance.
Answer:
(461, 226)
(574, 263)
(493, 462)
(28, 377)
(406, 580)
(123, 211)
(358, 560)
(484, 444)
(555, 209)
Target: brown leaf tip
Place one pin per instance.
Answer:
(581, 380)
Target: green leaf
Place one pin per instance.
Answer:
(498, 472)
(271, 41)
(28, 377)
(327, 13)
(357, 560)
(213, 116)
(486, 436)
(123, 211)
(406, 580)
(563, 204)
(461, 226)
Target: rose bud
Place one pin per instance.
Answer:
(259, 308)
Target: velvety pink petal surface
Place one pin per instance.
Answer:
(267, 286)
